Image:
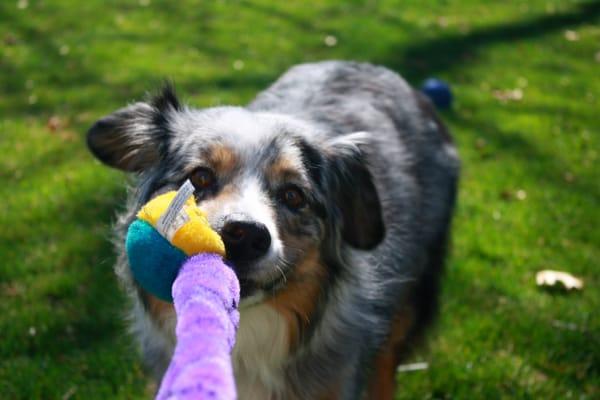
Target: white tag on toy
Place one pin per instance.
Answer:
(175, 215)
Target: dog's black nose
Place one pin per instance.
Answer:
(245, 241)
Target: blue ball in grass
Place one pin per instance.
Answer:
(439, 92)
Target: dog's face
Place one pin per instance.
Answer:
(273, 187)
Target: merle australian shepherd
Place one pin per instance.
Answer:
(333, 191)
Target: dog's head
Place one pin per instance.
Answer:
(274, 187)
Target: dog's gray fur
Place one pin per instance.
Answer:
(403, 170)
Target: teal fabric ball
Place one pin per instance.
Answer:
(154, 262)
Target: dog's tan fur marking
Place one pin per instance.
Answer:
(382, 384)
(223, 159)
(285, 167)
(162, 312)
(297, 301)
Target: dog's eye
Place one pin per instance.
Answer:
(203, 178)
(292, 197)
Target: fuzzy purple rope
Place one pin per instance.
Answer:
(206, 294)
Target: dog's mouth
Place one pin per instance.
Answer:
(251, 284)
(249, 288)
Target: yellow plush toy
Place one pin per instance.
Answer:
(194, 235)
(168, 229)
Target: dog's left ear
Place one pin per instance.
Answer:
(356, 194)
(131, 138)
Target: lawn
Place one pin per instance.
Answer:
(525, 75)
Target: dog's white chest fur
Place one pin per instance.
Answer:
(260, 352)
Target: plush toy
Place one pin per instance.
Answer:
(175, 255)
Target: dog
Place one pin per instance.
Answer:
(333, 191)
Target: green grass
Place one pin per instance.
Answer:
(61, 332)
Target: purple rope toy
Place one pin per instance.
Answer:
(175, 255)
(206, 294)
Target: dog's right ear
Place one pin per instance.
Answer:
(132, 138)
(355, 191)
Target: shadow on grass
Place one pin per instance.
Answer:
(76, 74)
(270, 11)
(543, 168)
(426, 58)
(89, 308)
(417, 61)
(445, 54)
(564, 353)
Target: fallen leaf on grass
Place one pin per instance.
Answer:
(330, 40)
(69, 393)
(67, 136)
(54, 123)
(564, 325)
(508, 95)
(419, 366)
(57, 126)
(558, 279)
(571, 36)
(569, 177)
(13, 290)
(10, 39)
